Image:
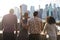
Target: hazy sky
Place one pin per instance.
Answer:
(5, 5)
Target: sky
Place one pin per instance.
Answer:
(5, 5)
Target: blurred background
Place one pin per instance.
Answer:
(42, 6)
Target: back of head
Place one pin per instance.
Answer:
(11, 11)
(26, 14)
(50, 20)
(35, 13)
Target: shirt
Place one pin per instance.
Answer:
(9, 22)
(35, 25)
(51, 29)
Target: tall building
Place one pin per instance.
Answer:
(17, 12)
(58, 13)
(55, 12)
(28, 13)
(32, 9)
(40, 12)
(50, 10)
(24, 8)
(45, 14)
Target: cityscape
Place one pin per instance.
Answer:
(49, 10)
(22, 25)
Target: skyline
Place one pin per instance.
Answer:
(7, 4)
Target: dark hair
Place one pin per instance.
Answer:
(25, 13)
(35, 13)
(50, 20)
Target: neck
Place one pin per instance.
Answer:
(11, 13)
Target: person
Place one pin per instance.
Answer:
(35, 25)
(50, 28)
(24, 28)
(9, 24)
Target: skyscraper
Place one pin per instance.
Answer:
(17, 12)
(32, 9)
(28, 13)
(44, 15)
(24, 8)
(55, 12)
(40, 12)
(58, 13)
(50, 9)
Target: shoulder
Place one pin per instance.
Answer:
(39, 19)
(14, 15)
(5, 15)
(31, 19)
(54, 25)
(46, 24)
